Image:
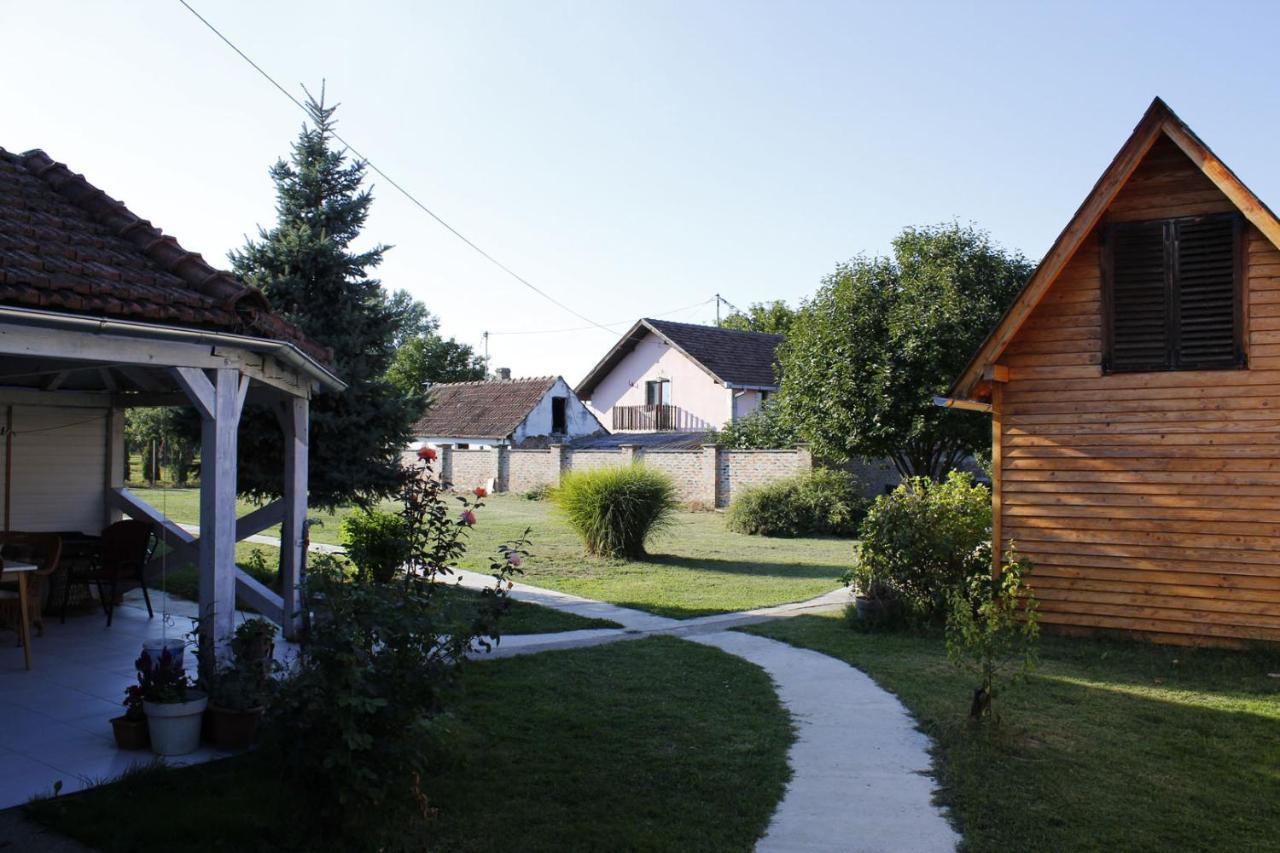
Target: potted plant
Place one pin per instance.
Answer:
(238, 691)
(130, 728)
(174, 709)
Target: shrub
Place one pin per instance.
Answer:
(540, 492)
(376, 542)
(992, 627)
(923, 541)
(763, 429)
(615, 510)
(352, 724)
(818, 502)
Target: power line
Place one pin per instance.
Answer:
(585, 328)
(373, 166)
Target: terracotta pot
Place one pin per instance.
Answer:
(233, 730)
(130, 734)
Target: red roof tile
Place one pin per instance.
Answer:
(491, 408)
(65, 245)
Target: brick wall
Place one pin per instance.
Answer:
(685, 467)
(743, 469)
(471, 468)
(707, 476)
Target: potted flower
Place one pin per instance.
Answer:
(174, 709)
(130, 728)
(238, 691)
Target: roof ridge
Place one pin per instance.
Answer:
(496, 380)
(711, 328)
(225, 289)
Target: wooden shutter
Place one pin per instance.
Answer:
(1140, 319)
(1206, 288)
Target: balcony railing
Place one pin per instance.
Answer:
(662, 418)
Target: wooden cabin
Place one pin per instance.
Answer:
(1134, 390)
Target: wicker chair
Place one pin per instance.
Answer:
(42, 549)
(123, 553)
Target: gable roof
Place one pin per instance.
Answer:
(489, 408)
(67, 246)
(1157, 122)
(731, 357)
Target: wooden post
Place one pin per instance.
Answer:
(115, 465)
(219, 402)
(294, 415)
(997, 478)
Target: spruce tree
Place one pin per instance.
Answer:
(309, 271)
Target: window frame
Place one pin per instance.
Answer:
(661, 385)
(1171, 292)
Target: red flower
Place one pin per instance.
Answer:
(481, 492)
(427, 453)
(468, 518)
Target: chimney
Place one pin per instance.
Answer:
(504, 372)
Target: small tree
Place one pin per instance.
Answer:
(882, 337)
(764, 429)
(992, 631)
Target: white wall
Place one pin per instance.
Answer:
(579, 421)
(745, 402)
(706, 403)
(59, 468)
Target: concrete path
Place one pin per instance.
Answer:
(860, 769)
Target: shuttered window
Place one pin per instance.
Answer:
(1173, 294)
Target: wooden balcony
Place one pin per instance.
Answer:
(664, 418)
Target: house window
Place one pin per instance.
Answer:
(559, 424)
(657, 392)
(1172, 294)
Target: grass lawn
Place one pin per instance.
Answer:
(695, 568)
(1110, 746)
(656, 744)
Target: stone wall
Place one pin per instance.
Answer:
(707, 476)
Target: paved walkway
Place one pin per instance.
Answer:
(860, 769)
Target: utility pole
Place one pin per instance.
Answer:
(717, 310)
(485, 336)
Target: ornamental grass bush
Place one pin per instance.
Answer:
(615, 510)
(819, 502)
(922, 542)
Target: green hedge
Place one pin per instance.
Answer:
(821, 502)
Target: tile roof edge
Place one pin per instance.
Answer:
(166, 252)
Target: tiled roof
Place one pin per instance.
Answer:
(730, 356)
(67, 246)
(492, 408)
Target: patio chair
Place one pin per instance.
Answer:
(42, 549)
(123, 553)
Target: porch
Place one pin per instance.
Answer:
(54, 718)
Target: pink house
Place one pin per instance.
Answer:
(680, 377)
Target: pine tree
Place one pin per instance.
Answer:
(307, 268)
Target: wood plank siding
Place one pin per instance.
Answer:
(1149, 502)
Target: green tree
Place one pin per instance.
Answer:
(774, 317)
(158, 435)
(883, 336)
(763, 429)
(308, 269)
(424, 355)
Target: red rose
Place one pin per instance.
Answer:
(481, 492)
(427, 453)
(468, 518)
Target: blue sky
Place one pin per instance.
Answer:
(633, 158)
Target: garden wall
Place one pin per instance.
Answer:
(706, 476)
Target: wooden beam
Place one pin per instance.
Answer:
(967, 405)
(294, 417)
(71, 399)
(259, 596)
(996, 373)
(115, 459)
(198, 389)
(217, 543)
(55, 381)
(997, 478)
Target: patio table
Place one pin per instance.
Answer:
(24, 629)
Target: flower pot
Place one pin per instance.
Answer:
(231, 729)
(869, 609)
(130, 734)
(175, 726)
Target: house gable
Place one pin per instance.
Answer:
(1162, 170)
